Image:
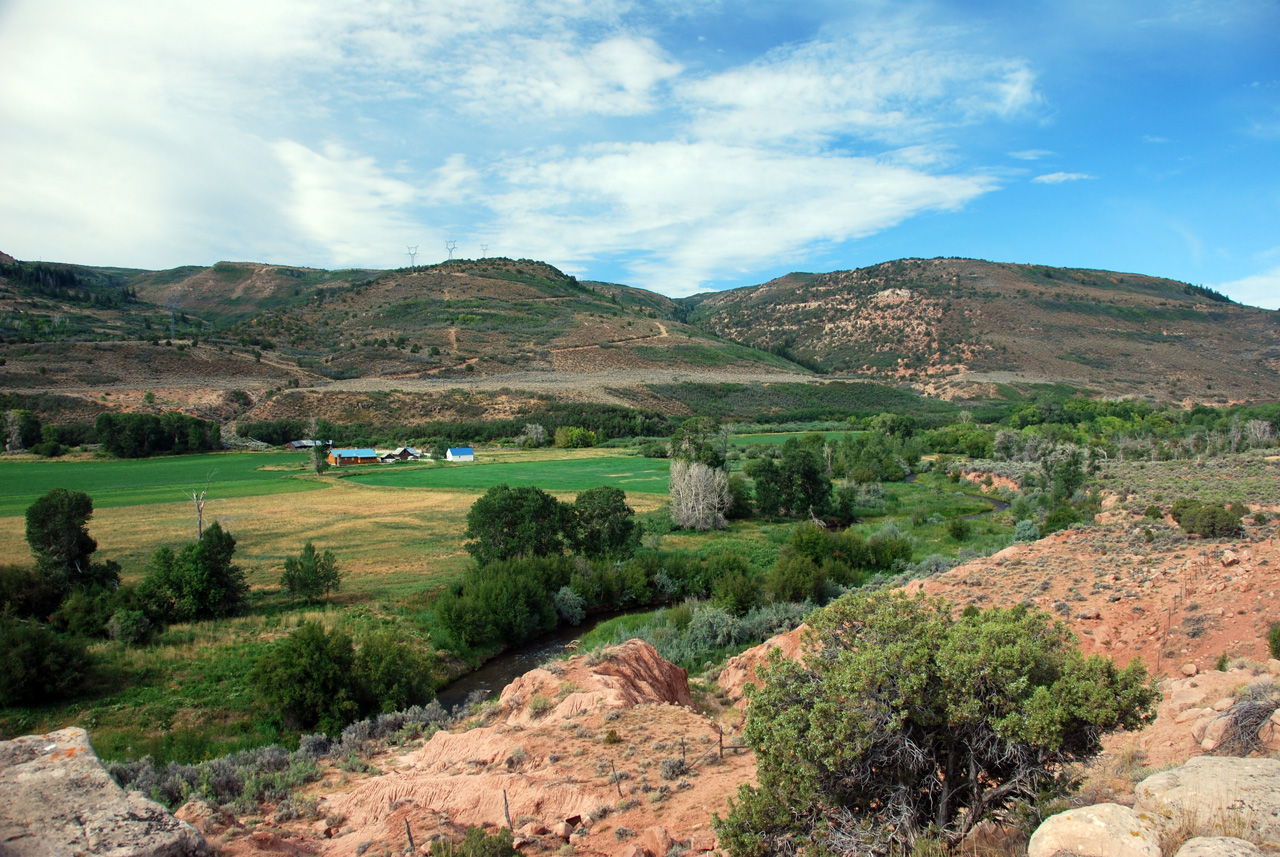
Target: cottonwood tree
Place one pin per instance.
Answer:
(699, 495)
(903, 721)
(602, 524)
(198, 581)
(514, 523)
(59, 537)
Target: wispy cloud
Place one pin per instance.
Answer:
(1059, 178)
(1031, 154)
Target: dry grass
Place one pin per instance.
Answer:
(383, 537)
(1186, 824)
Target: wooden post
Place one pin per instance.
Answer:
(617, 783)
(409, 833)
(506, 810)
(684, 760)
(721, 737)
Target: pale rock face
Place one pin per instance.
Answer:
(1212, 786)
(1102, 830)
(56, 799)
(1218, 846)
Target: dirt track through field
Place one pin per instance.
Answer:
(555, 382)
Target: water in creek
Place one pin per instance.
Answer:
(500, 670)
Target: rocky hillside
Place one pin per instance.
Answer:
(953, 326)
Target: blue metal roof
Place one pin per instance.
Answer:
(354, 453)
(461, 450)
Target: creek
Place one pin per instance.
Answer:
(502, 669)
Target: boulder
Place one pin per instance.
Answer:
(1214, 732)
(1230, 558)
(1190, 669)
(563, 829)
(630, 850)
(1211, 786)
(58, 800)
(656, 840)
(1218, 846)
(1201, 726)
(1102, 830)
(1223, 704)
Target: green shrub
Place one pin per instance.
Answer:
(394, 674)
(1273, 640)
(1210, 521)
(1060, 518)
(1153, 513)
(1026, 531)
(477, 843)
(958, 529)
(311, 574)
(850, 739)
(37, 665)
(310, 678)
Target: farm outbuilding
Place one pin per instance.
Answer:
(305, 444)
(461, 453)
(406, 453)
(339, 457)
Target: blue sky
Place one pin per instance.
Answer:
(679, 146)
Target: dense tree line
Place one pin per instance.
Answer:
(142, 435)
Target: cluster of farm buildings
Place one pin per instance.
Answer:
(368, 455)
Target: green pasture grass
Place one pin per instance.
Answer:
(163, 479)
(632, 474)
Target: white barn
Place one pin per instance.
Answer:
(460, 453)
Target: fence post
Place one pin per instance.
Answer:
(409, 833)
(506, 810)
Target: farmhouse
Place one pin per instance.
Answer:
(405, 453)
(461, 453)
(339, 457)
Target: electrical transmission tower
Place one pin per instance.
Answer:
(450, 245)
(413, 251)
(484, 251)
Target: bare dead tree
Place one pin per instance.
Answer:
(699, 495)
(1259, 432)
(197, 497)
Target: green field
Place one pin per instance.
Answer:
(154, 480)
(781, 437)
(632, 474)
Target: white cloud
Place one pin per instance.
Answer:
(344, 204)
(1256, 290)
(1031, 154)
(1059, 178)
(689, 213)
(890, 84)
